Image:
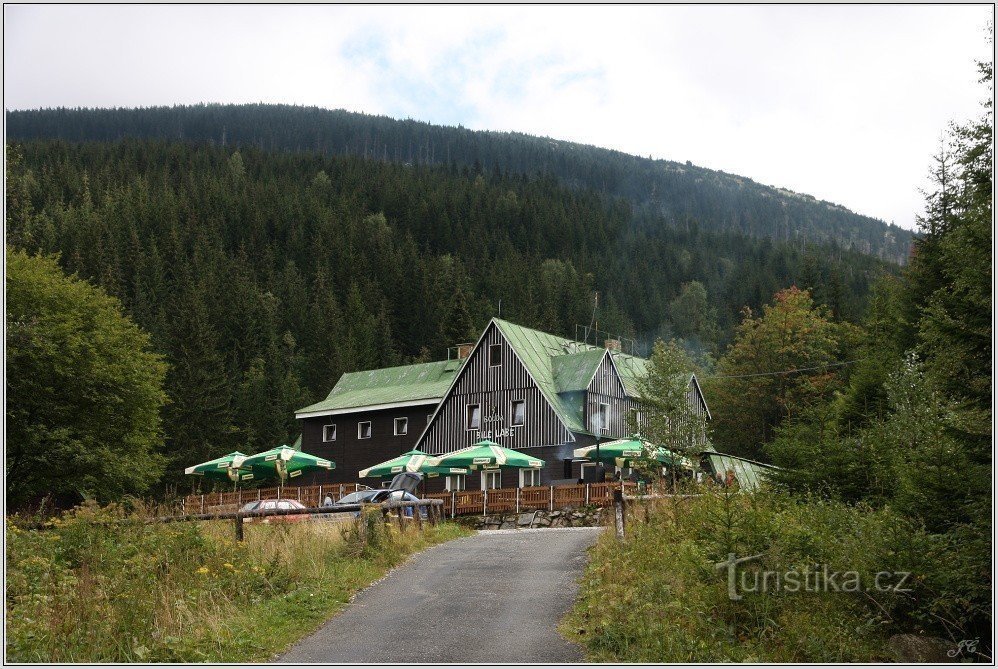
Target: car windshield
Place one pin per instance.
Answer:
(250, 505)
(358, 497)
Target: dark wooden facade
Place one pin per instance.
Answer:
(494, 388)
(352, 454)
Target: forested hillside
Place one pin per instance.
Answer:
(683, 195)
(263, 276)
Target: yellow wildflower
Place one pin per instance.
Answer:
(202, 570)
(228, 565)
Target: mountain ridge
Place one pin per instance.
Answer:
(684, 194)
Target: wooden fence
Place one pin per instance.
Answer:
(457, 503)
(310, 496)
(499, 500)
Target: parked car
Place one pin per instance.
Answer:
(274, 505)
(377, 497)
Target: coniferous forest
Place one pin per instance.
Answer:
(262, 276)
(680, 194)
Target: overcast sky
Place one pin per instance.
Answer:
(845, 103)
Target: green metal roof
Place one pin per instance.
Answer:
(425, 381)
(562, 367)
(749, 473)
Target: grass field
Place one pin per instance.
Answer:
(88, 590)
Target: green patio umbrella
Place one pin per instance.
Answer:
(225, 468)
(622, 452)
(282, 463)
(411, 461)
(486, 455)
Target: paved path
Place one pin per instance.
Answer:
(493, 597)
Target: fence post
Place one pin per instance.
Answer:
(453, 503)
(239, 527)
(417, 513)
(518, 500)
(618, 504)
(321, 499)
(341, 491)
(587, 494)
(551, 498)
(258, 494)
(485, 502)
(202, 503)
(432, 515)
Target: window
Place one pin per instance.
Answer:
(495, 355)
(401, 426)
(589, 472)
(364, 430)
(454, 482)
(474, 420)
(601, 419)
(518, 413)
(636, 418)
(491, 479)
(329, 433)
(530, 477)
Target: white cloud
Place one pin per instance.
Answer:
(846, 103)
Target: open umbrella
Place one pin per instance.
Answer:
(623, 452)
(486, 455)
(282, 463)
(225, 468)
(411, 461)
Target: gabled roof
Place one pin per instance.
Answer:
(562, 367)
(424, 383)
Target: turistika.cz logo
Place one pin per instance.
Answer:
(818, 579)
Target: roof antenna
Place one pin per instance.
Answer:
(500, 308)
(593, 321)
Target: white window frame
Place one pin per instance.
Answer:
(405, 426)
(489, 473)
(455, 482)
(534, 473)
(491, 348)
(325, 433)
(512, 413)
(370, 429)
(467, 417)
(604, 426)
(582, 469)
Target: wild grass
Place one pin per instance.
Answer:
(657, 596)
(102, 585)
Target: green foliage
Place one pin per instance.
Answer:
(84, 391)
(667, 416)
(102, 585)
(684, 196)
(791, 334)
(261, 290)
(657, 596)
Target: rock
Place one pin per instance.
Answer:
(524, 519)
(507, 525)
(915, 648)
(543, 522)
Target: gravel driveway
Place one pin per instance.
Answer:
(493, 597)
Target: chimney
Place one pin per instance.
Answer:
(613, 345)
(464, 350)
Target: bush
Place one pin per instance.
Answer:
(658, 596)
